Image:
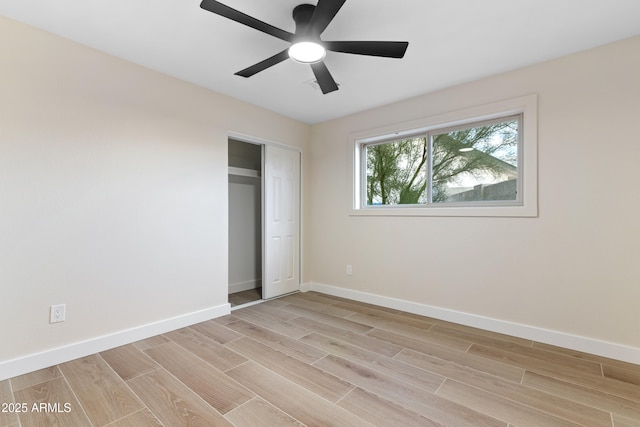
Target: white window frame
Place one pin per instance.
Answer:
(525, 206)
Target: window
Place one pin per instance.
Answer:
(469, 164)
(396, 172)
(473, 166)
(477, 163)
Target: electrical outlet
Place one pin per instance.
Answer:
(349, 270)
(57, 313)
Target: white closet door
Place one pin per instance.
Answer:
(281, 262)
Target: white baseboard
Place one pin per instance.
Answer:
(561, 339)
(34, 362)
(306, 287)
(244, 286)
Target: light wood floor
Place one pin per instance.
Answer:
(244, 297)
(314, 360)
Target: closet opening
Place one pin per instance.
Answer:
(245, 222)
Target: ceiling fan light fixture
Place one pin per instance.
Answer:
(307, 52)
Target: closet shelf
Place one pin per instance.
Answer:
(251, 173)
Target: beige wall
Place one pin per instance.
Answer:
(575, 269)
(113, 191)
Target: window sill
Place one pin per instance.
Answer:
(449, 211)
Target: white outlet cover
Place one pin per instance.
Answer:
(57, 313)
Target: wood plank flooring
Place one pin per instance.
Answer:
(315, 360)
(244, 297)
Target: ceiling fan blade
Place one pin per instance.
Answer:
(325, 11)
(263, 65)
(324, 78)
(385, 49)
(235, 15)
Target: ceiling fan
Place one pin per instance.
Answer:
(306, 45)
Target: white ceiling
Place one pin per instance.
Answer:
(450, 42)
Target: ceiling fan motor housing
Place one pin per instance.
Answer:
(302, 17)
